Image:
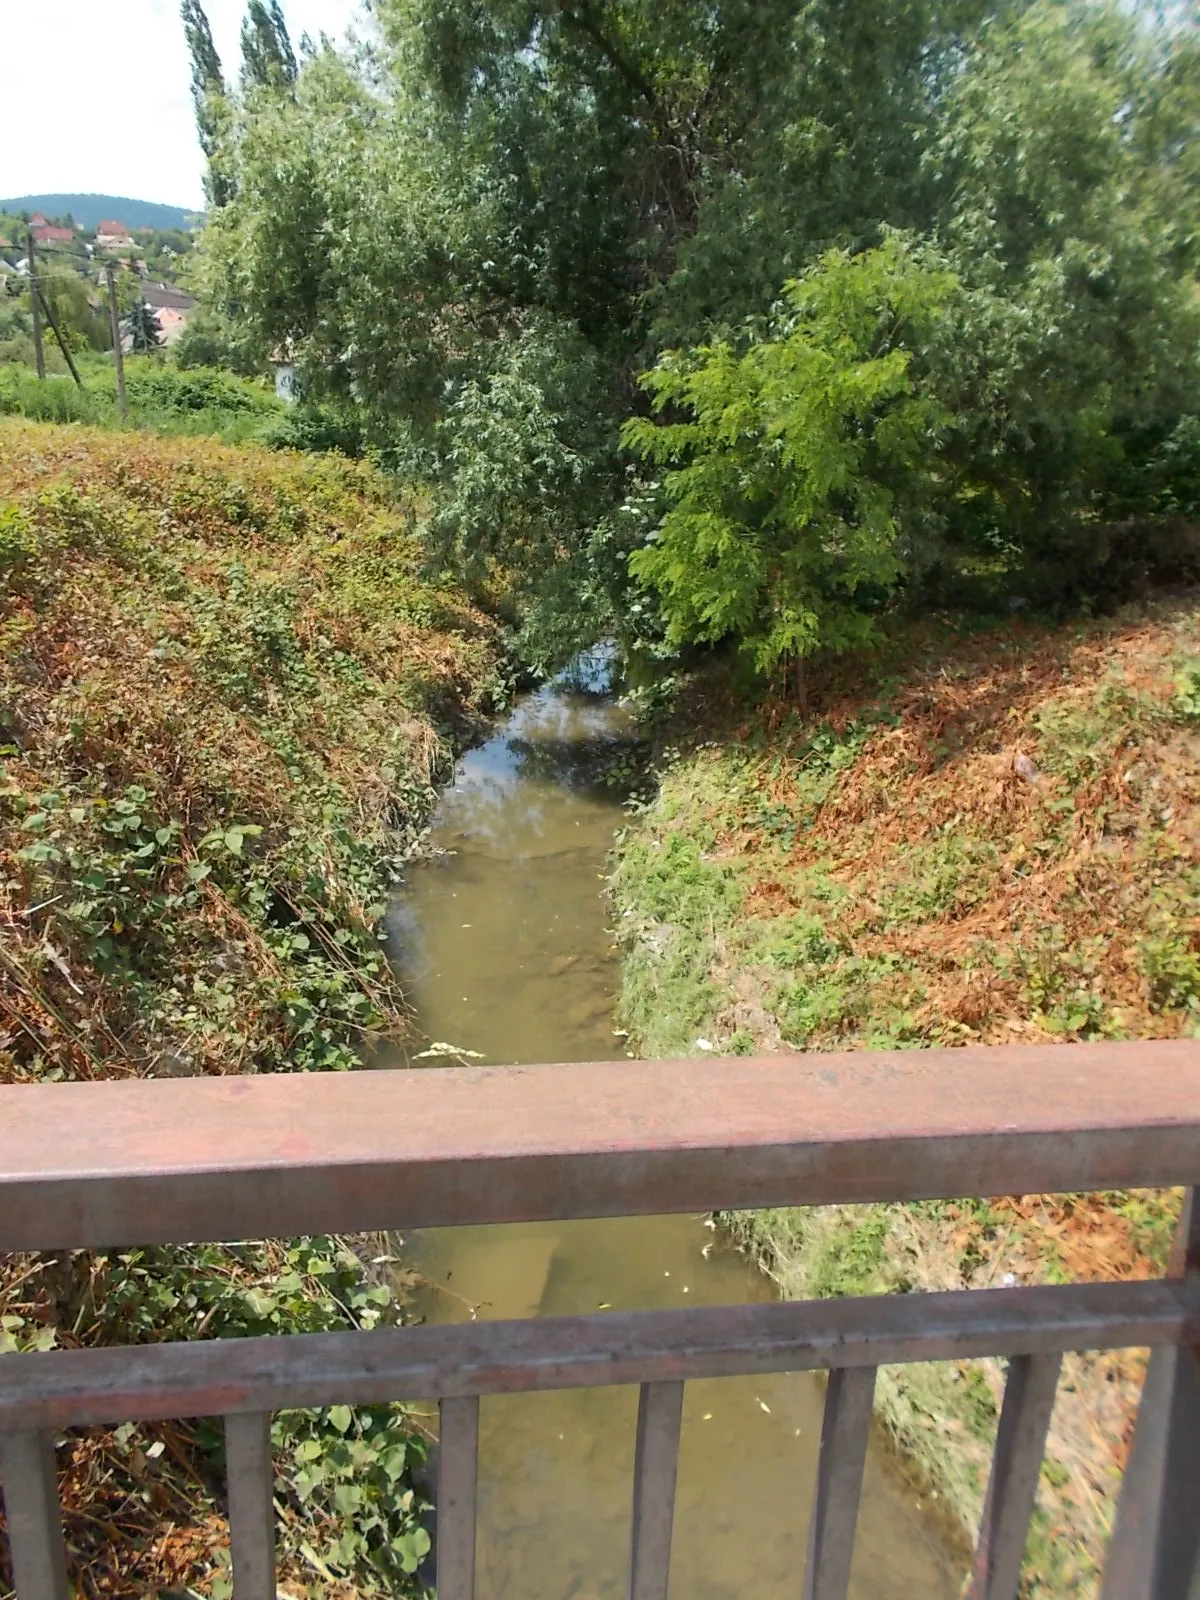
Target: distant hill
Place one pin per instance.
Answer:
(91, 209)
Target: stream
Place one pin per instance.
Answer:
(500, 937)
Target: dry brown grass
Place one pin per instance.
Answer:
(195, 641)
(997, 841)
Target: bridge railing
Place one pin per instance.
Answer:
(137, 1163)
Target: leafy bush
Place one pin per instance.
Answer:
(789, 482)
(222, 603)
(308, 426)
(208, 340)
(343, 1476)
(163, 389)
(53, 399)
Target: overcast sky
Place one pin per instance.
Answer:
(97, 99)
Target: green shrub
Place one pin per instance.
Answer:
(159, 389)
(790, 466)
(53, 399)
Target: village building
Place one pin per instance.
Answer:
(49, 232)
(172, 306)
(112, 235)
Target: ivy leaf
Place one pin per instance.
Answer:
(259, 1303)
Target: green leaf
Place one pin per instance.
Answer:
(341, 1417)
(347, 1498)
(259, 1303)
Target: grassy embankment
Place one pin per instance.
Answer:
(225, 692)
(884, 876)
(161, 398)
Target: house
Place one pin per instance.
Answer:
(113, 236)
(48, 232)
(173, 306)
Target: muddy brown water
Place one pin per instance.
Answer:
(501, 935)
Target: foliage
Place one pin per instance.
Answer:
(987, 842)
(442, 227)
(161, 389)
(210, 340)
(16, 332)
(142, 327)
(56, 399)
(193, 400)
(225, 690)
(790, 476)
(254, 616)
(343, 1477)
(899, 881)
(1077, 347)
(83, 323)
(208, 94)
(268, 60)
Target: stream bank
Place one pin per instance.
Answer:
(225, 688)
(501, 936)
(994, 842)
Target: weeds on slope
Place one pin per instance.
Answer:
(997, 842)
(225, 692)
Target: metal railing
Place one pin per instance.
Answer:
(136, 1163)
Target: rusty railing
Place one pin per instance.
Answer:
(135, 1163)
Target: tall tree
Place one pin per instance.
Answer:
(142, 326)
(483, 231)
(208, 96)
(268, 60)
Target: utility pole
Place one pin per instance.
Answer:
(37, 309)
(122, 404)
(57, 331)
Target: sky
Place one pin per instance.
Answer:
(97, 96)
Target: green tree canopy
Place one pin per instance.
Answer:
(208, 96)
(480, 231)
(142, 327)
(268, 60)
(792, 466)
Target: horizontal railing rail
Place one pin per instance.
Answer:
(117, 1164)
(152, 1383)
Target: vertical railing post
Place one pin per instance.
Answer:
(458, 1477)
(1155, 1550)
(845, 1429)
(1016, 1468)
(251, 1477)
(655, 1466)
(35, 1536)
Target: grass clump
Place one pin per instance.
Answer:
(194, 402)
(225, 693)
(161, 399)
(996, 841)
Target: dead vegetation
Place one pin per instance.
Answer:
(998, 842)
(226, 690)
